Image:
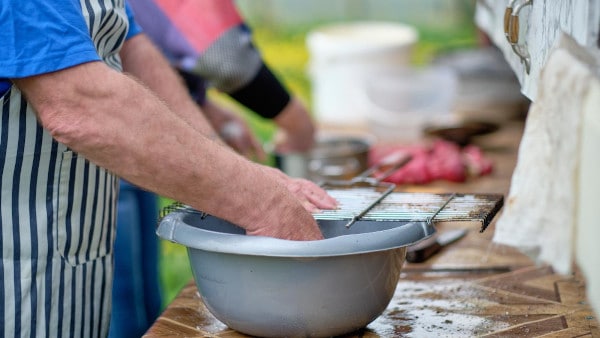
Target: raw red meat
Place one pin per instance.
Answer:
(441, 160)
(445, 162)
(477, 164)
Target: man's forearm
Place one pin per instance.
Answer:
(120, 125)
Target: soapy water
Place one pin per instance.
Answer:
(423, 310)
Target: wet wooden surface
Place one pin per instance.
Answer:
(472, 288)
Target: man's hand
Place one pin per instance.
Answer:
(292, 227)
(234, 131)
(313, 197)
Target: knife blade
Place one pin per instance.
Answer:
(428, 247)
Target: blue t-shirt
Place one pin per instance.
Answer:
(41, 36)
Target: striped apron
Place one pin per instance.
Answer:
(58, 214)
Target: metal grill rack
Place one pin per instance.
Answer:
(405, 206)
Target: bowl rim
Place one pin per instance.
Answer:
(173, 228)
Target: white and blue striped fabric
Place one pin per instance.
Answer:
(58, 214)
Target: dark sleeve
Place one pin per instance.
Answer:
(195, 85)
(264, 94)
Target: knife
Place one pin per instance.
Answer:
(421, 251)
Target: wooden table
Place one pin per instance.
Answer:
(472, 288)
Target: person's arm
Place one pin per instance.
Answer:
(222, 53)
(233, 130)
(142, 59)
(119, 124)
(296, 128)
(252, 83)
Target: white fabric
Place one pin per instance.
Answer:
(588, 227)
(539, 215)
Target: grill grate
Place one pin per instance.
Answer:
(399, 206)
(402, 206)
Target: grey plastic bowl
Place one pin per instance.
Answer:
(270, 287)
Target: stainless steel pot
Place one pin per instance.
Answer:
(332, 158)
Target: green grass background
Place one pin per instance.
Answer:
(285, 52)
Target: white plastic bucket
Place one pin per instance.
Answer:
(403, 101)
(343, 55)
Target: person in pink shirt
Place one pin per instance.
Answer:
(210, 45)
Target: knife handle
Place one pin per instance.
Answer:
(422, 253)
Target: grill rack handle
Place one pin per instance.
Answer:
(396, 160)
(430, 218)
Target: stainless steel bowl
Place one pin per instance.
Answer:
(333, 157)
(270, 287)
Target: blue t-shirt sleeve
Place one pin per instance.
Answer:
(134, 28)
(41, 36)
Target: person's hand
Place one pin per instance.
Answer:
(312, 196)
(292, 226)
(296, 133)
(234, 131)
